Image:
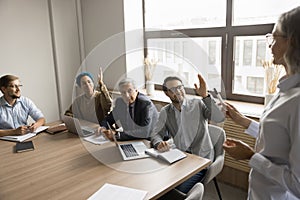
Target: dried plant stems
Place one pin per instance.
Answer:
(150, 65)
(272, 75)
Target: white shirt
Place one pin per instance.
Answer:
(275, 166)
(189, 127)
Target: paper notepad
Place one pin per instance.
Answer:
(115, 192)
(170, 156)
(96, 139)
(21, 138)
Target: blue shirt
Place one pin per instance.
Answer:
(17, 115)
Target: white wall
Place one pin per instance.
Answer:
(36, 51)
(44, 42)
(102, 20)
(67, 48)
(26, 51)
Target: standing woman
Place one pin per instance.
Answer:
(93, 105)
(275, 162)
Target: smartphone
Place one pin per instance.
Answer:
(219, 97)
(24, 146)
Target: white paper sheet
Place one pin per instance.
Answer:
(115, 192)
(96, 139)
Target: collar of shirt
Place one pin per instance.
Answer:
(289, 82)
(3, 102)
(183, 105)
(131, 105)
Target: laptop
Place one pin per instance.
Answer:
(73, 126)
(131, 150)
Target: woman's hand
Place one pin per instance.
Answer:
(236, 116)
(100, 77)
(238, 149)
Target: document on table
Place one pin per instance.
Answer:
(170, 156)
(115, 192)
(96, 139)
(21, 138)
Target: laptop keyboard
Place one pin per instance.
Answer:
(86, 132)
(129, 150)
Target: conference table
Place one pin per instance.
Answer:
(64, 166)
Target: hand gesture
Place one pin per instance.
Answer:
(238, 149)
(32, 127)
(100, 76)
(109, 134)
(163, 146)
(236, 116)
(21, 130)
(100, 130)
(201, 90)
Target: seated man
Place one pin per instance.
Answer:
(94, 104)
(186, 122)
(134, 112)
(15, 109)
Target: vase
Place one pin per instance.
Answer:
(150, 88)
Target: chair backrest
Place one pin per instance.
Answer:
(196, 193)
(217, 136)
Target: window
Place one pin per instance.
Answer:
(222, 40)
(179, 14)
(255, 84)
(185, 57)
(252, 51)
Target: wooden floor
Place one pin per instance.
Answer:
(228, 192)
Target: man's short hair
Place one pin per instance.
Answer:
(126, 81)
(170, 78)
(6, 79)
(79, 76)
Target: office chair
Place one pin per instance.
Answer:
(217, 136)
(196, 193)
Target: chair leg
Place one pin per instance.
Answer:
(217, 188)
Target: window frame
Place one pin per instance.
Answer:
(227, 33)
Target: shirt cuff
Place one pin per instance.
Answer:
(253, 129)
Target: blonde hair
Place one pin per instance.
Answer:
(288, 24)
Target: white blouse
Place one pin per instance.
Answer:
(275, 166)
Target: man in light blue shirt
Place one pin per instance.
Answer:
(15, 109)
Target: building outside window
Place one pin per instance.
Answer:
(224, 42)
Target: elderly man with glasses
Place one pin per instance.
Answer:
(134, 112)
(186, 122)
(15, 109)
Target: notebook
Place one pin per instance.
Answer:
(73, 126)
(21, 138)
(131, 150)
(170, 156)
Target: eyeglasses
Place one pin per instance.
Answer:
(271, 38)
(15, 86)
(174, 89)
(129, 91)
